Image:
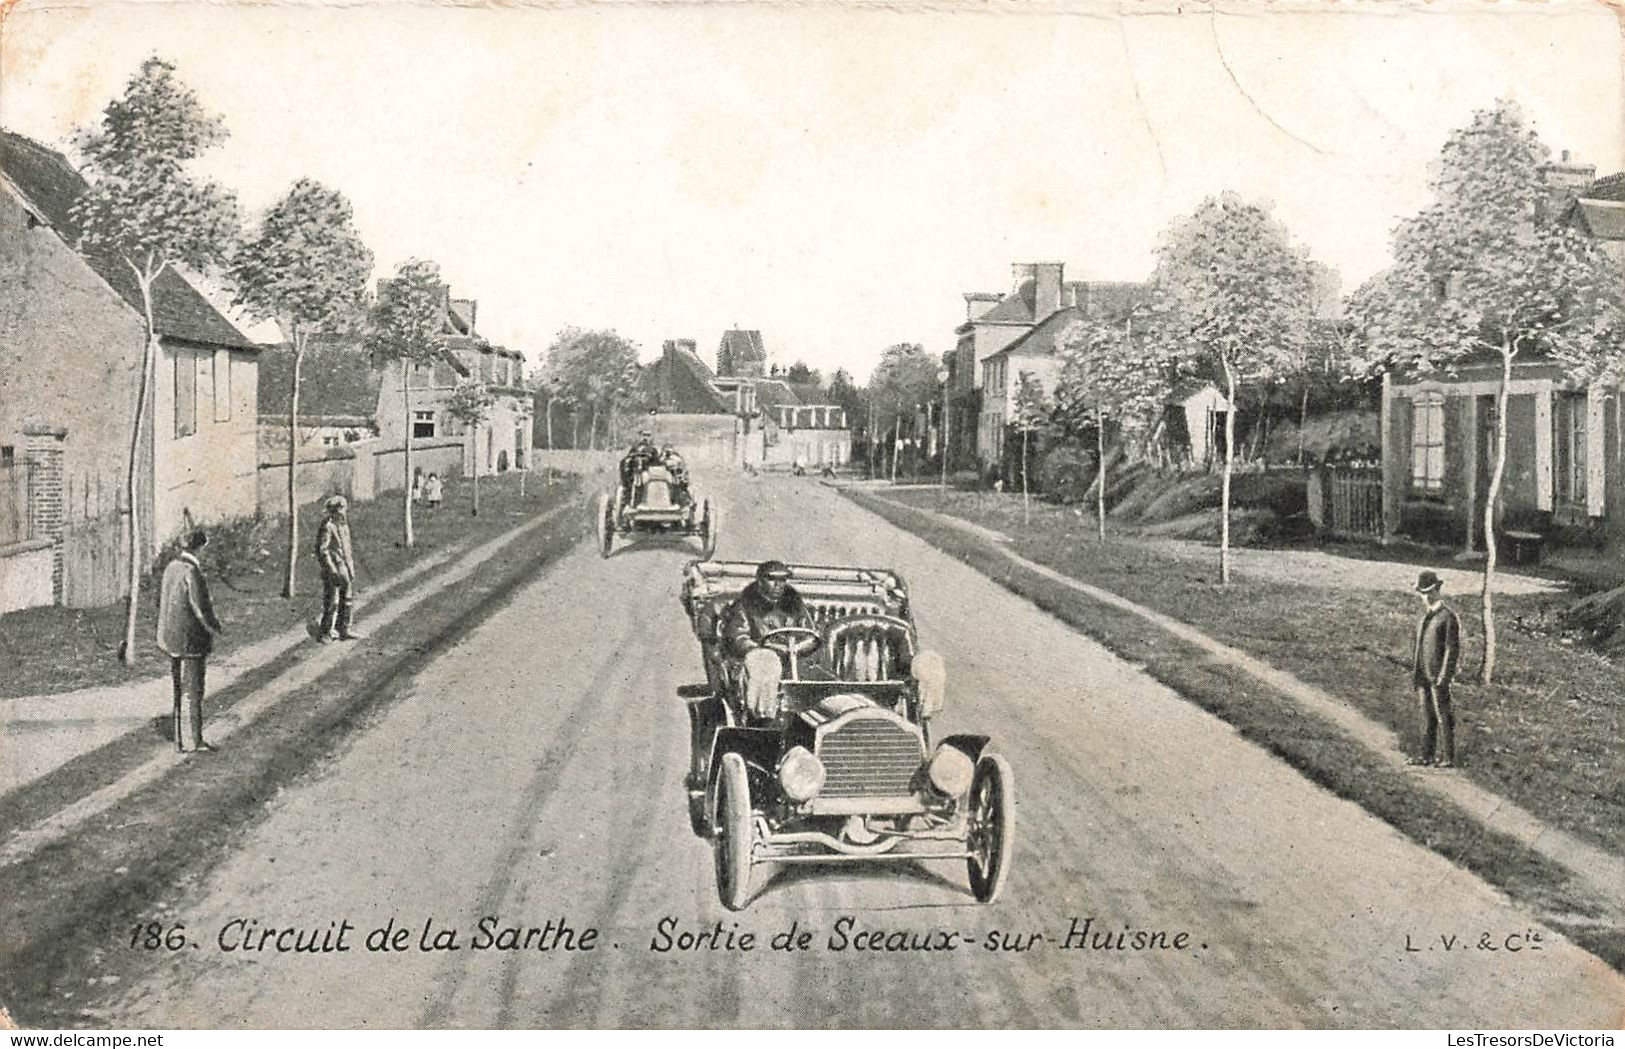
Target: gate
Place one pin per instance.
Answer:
(1350, 502)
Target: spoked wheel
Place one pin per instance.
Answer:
(606, 525)
(733, 832)
(710, 518)
(991, 827)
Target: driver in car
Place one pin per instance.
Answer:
(678, 468)
(768, 604)
(641, 454)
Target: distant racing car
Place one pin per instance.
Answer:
(652, 500)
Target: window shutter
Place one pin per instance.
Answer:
(1596, 454)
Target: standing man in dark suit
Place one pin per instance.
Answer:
(187, 627)
(337, 560)
(1437, 657)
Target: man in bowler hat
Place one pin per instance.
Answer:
(187, 627)
(337, 560)
(1437, 657)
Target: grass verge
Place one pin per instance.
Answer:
(57, 649)
(1270, 622)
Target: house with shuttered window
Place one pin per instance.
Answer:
(1565, 460)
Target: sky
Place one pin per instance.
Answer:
(834, 176)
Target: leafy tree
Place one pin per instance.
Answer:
(1032, 412)
(144, 209)
(905, 379)
(1233, 298)
(802, 374)
(1483, 271)
(409, 327)
(470, 404)
(594, 369)
(1109, 378)
(305, 268)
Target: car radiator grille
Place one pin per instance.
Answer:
(869, 757)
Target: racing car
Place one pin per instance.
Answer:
(838, 762)
(652, 501)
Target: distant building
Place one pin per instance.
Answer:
(741, 355)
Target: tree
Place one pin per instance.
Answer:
(470, 404)
(1109, 378)
(1031, 413)
(594, 369)
(905, 378)
(305, 268)
(408, 326)
(1233, 301)
(143, 209)
(1485, 271)
(801, 373)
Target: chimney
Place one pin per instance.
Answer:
(668, 374)
(1565, 179)
(1021, 273)
(1046, 289)
(979, 302)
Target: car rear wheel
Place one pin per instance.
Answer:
(733, 832)
(709, 520)
(606, 526)
(990, 831)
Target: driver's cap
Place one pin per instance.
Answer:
(772, 570)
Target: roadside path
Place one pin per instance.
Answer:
(1598, 868)
(222, 725)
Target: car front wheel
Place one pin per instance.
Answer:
(990, 831)
(733, 832)
(606, 526)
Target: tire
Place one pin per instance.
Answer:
(709, 519)
(733, 833)
(990, 830)
(606, 526)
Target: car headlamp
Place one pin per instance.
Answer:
(930, 673)
(951, 770)
(801, 774)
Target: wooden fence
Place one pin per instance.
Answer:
(16, 506)
(1347, 501)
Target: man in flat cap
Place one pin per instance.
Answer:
(1433, 667)
(187, 627)
(337, 561)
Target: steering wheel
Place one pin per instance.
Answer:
(792, 642)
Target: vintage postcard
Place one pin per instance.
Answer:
(851, 515)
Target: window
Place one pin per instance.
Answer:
(1569, 412)
(222, 386)
(185, 393)
(8, 455)
(1427, 443)
(422, 424)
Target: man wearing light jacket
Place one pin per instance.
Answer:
(337, 561)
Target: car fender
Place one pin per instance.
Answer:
(760, 747)
(970, 746)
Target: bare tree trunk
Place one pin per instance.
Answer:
(897, 435)
(132, 486)
(476, 510)
(1487, 598)
(1100, 471)
(592, 429)
(406, 489)
(575, 431)
(288, 580)
(1303, 418)
(1026, 497)
(1224, 484)
(946, 417)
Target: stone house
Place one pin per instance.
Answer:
(72, 336)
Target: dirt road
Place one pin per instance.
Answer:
(533, 774)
